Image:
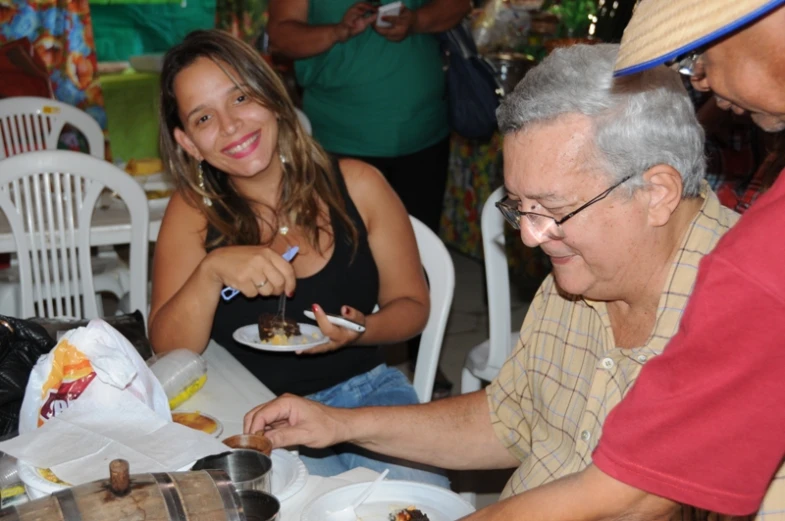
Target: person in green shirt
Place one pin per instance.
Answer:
(376, 93)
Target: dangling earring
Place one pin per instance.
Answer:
(206, 200)
(282, 158)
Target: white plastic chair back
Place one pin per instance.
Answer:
(48, 198)
(28, 124)
(441, 277)
(497, 280)
(484, 361)
(304, 121)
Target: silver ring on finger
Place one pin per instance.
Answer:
(261, 285)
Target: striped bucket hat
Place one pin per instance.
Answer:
(662, 30)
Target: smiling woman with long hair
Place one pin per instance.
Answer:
(250, 184)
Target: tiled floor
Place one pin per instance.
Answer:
(467, 327)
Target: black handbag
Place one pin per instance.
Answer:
(473, 86)
(130, 325)
(22, 343)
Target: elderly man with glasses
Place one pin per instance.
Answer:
(607, 178)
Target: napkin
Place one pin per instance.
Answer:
(78, 444)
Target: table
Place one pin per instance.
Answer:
(231, 391)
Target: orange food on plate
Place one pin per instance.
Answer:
(48, 475)
(196, 420)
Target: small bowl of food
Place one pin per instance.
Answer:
(257, 442)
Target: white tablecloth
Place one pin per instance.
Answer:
(231, 391)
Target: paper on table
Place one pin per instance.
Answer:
(78, 444)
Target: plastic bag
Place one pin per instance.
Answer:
(500, 26)
(84, 363)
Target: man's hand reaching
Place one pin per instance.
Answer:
(290, 420)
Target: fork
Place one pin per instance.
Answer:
(281, 317)
(228, 293)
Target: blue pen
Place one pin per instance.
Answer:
(228, 293)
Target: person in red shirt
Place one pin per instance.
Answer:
(705, 423)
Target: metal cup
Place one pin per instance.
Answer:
(259, 506)
(248, 469)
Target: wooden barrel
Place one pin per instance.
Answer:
(205, 495)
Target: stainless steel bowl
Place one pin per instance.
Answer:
(248, 469)
(259, 506)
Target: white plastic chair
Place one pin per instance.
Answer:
(304, 121)
(28, 124)
(485, 360)
(441, 277)
(48, 198)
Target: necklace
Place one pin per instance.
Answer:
(283, 231)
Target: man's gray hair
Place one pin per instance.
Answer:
(639, 121)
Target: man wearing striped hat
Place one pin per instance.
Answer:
(704, 424)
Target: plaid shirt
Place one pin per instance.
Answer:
(551, 397)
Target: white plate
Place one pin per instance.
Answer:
(311, 336)
(289, 474)
(439, 504)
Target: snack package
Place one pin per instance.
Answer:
(80, 367)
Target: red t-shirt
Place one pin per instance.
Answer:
(705, 422)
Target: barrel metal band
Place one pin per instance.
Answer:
(9, 514)
(67, 503)
(229, 496)
(171, 497)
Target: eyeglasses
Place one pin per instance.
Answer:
(545, 225)
(689, 65)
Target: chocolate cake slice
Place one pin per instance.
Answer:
(271, 326)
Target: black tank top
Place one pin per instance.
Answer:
(344, 280)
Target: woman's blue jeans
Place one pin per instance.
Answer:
(378, 387)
